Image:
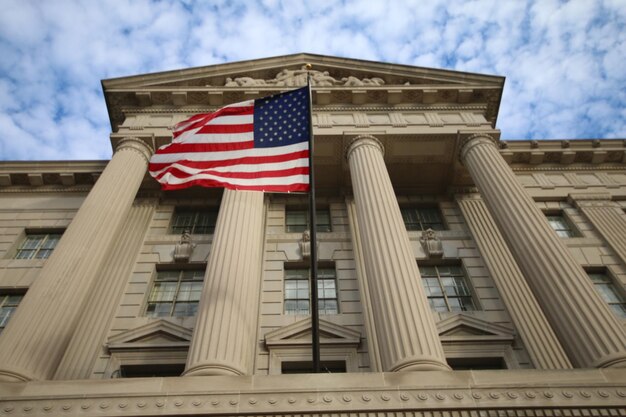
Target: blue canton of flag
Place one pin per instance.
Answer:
(282, 119)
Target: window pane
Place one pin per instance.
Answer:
(291, 306)
(51, 241)
(168, 275)
(5, 315)
(24, 254)
(159, 309)
(467, 304)
(322, 217)
(608, 293)
(303, 306)
(185, 309)
(446, 288)
(200, 221)
(175, 293)
(328, 307)
(33, 241)
(560, 225)
(619, 309)
(163, 291)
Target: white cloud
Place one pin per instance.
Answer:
(563, 60)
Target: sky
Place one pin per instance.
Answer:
(564, 61)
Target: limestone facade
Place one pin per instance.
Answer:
(462, 275)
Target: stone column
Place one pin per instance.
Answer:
(225, 334)
(36, 338)
(606, 216)
(407, 336)
(589, 332)
(89, 338)
(543, 347)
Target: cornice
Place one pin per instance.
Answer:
(594, 391)
(44, 189)
(572, 167)
(316, 109)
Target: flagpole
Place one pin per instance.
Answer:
(315, 325)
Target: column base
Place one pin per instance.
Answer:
(612, 361)
(214, 369)
(7, 375)
(420, 364)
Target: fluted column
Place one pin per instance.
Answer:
(542, 344)
(407, 336)
(89, 337)
(36, 338)
(606, 216)
(589, 332)
(225, 333)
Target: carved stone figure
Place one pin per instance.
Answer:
(184, 248)
(305, 245)
(431, 244)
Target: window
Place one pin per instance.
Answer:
(560, 225)
(306, 367)
(466, 364)
(38, 246)
(200, 222)
(151, 370)
(297, 221)
(175, 293)
(8, 304)
(297, 291)
(609, 292)
(447, 288)
(422, 218)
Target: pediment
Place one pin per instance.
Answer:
(299, 334)
(338, 73)
(157, 333)
(467, 326)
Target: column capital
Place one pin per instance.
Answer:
(467, 142)
(591, 200)
(135, 144)
(363, 140)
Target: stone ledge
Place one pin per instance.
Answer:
(301, 394)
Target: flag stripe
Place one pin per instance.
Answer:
(215, 128)
(245, 161)
(200, 120)
(216, 137)
(189, 148)
(227, 155)
(289, 188)
(283, 180)
(183, 173)
(258, 168)
(253, 145)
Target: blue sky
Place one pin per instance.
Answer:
(564, 61)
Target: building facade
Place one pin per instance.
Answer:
(458, 274)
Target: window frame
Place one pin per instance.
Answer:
(40, 247)
(194, 225)
(419, 224)
(616, 287)
(466, 281)
(569, 230)
(299, 227)
(320, 280)
(5, 295)
(181, 270)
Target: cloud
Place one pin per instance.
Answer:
(563, 60)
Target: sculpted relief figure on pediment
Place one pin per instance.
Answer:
(297, 78)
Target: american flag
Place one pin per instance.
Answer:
(260, 144)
